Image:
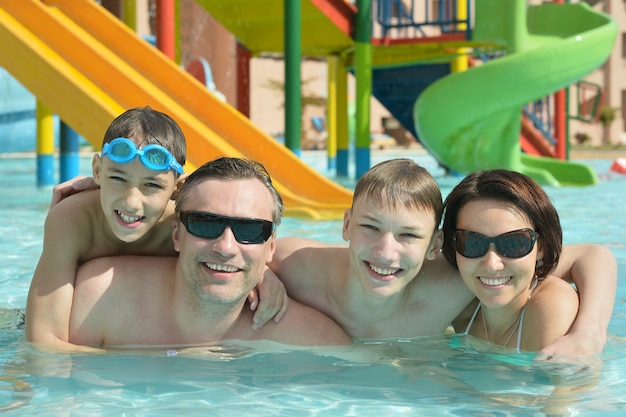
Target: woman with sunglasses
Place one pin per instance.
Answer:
(503, 234)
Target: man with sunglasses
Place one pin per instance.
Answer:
(224, 232)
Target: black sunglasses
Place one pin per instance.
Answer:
(514, 244)
(211, 226)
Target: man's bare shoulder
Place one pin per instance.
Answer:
(120, 300)
(125, 272)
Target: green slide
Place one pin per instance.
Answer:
(471, 120)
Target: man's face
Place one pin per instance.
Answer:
(388, 247)
(223, 270)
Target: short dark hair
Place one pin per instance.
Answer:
(146, 126)
(231, 169)
(514, 188)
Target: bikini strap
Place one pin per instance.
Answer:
(471, 322)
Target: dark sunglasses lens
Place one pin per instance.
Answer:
(471, 245)
(251, 231)
(209, 226)
(515, 245)
(204, 226)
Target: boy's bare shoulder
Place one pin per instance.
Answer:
(292, 243)
(295, 249)
(440, 272)
(440, 285)
(303, 325)
(72, 224)
(80, 207)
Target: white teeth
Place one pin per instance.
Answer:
(222, 268)
(128, 219)
(383, 271)
(494, 281)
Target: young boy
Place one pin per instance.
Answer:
(140, 166)
(392, 281)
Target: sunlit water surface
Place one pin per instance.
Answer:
(416, 377)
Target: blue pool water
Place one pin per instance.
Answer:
(416, 377)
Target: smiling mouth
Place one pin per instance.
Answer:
(128, 219)
(383, 271)
(221, 268)
(494, 281)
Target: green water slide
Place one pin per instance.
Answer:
(471, 120)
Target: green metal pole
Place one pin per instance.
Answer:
(293, 95)
(363, 72)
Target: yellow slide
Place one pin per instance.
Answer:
(88, 67)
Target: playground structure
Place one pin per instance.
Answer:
(87, 67)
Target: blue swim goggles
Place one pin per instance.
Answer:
(155, 157)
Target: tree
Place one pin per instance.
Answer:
(608, 114)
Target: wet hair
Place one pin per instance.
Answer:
(401, 183)
(518, 190)
(231, 169)
(146, 126)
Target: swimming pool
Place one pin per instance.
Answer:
(418, 377)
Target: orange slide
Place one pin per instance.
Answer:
(88, 67)
(533, 142)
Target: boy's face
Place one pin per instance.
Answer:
(387, 246)
(133, 197)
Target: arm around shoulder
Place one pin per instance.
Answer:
(593, 269)
(51, 289)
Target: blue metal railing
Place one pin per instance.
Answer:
(397, 17)
(540, 113)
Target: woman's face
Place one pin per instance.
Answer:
(496, 280)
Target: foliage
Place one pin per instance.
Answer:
(581, 138)
(607, 115)
(308, 99)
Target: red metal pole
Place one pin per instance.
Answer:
(243, 80)
(165, 27)
(559, 124)
(560, 120)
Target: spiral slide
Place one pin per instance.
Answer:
(88, 67)
(471, 120)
